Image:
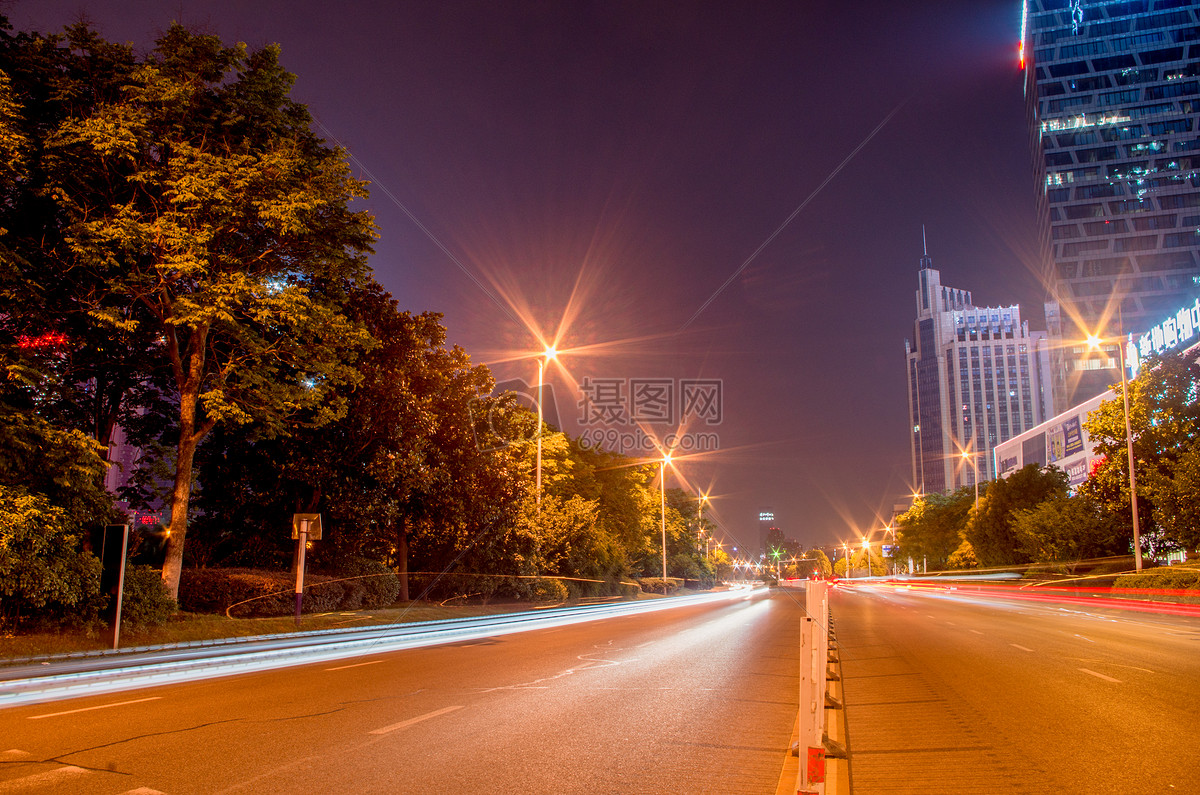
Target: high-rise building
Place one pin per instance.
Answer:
(1113, 96)
(766, 522)
(975, 379)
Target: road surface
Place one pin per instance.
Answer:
(694, 699)
(953, 693)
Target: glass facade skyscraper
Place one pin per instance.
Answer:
(1113, 97)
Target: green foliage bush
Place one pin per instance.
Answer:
(544, 589)
(255, 592)
(375, 584)
(1171, 579)
(145, 600)
(658, 585)
(46, 577)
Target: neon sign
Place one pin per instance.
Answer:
(1180, 328)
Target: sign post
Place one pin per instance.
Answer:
(305, 527)
(111, 545)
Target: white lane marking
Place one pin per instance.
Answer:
(1101, 676)
(1089, 640)
(14, 754)
(1019, 646)
(40, 780)
(98, 706)
(142, 791)
(355, 665)
(404, 724)
(977, 632)
(652, 642)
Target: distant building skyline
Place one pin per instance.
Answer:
(1113, 101)
(976, 377)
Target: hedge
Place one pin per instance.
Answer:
(1167, 579)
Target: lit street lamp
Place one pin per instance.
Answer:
(547, 356)
(663, 509)
(1094, 343)
(846, 549)
(975, 465)
(700, 521)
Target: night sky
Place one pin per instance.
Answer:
(615, 164)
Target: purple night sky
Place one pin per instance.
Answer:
(616, 163)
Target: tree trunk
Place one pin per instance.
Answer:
(180, 497)
(189, 381)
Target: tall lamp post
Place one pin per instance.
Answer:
(975, 465)
(890, 529)
(663, 511)
(547, 356)
(846, 549)
(1094, 343)
(866, 545)
(700, 521)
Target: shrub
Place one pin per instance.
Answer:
(544, 589)
(658, 585)
(255, 592)
(44, 572)
(145, 600)
(376, 585)
(1171, 579)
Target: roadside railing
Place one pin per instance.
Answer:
(817, 650)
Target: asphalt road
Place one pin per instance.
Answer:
(953, 693)
(694, 699)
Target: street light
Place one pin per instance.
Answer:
(890, 529)
(1094, 343)
(547, 356)
(975, 464)
(846, 549)
(700, 520)
(663, 509)
(866, 545)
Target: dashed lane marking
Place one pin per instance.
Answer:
(50, 778)
(98, 706)
(1101, 676)
(1019, 646)
(355, 665)
(404, 724)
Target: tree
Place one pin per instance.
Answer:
(1068, 529)
(990, 531)
(1164, 416)
(203, 214)
(824, 567)
(51, 492)
(932, 528)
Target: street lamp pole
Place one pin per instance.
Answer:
(975, 466)
(1137, 535)
(1094, 342)
(663, 511)
(546, 356)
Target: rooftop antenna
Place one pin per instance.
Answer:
(924, 245)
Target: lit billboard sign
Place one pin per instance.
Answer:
(1181, 328)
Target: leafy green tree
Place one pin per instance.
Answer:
(51, 493)
(1067, 529)
(990, 532)
(932, 528)
(824, 567)
(1164, 415)
(201, 209)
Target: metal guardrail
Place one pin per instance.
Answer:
(64, 678)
